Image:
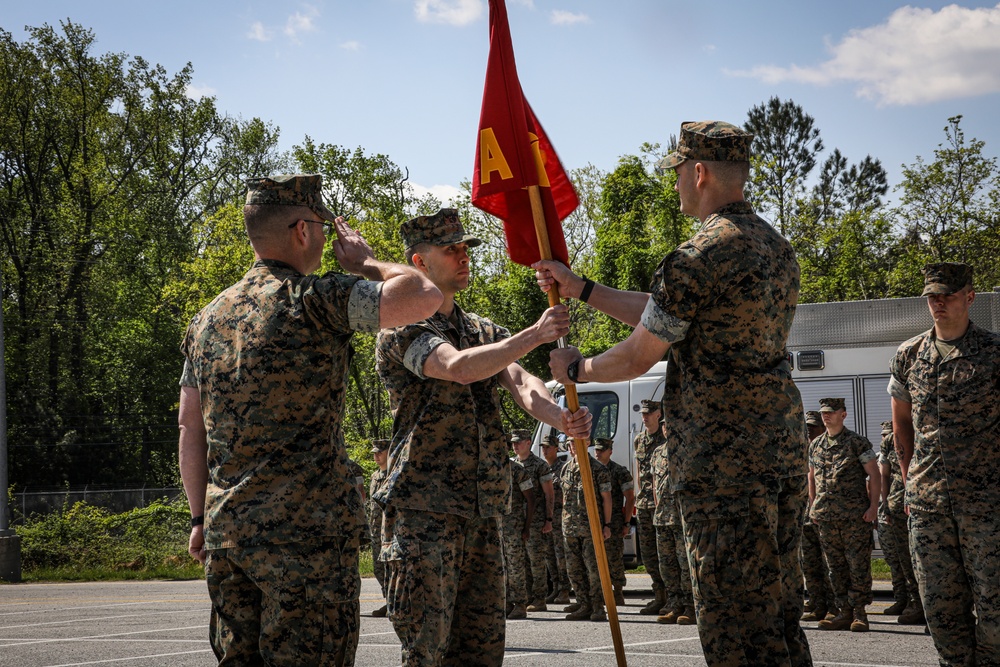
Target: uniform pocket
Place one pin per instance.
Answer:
(404, 595)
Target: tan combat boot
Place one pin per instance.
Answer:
(895, 609)
(860, 623)
(572, 608)
(598, 615)
(619, 596)
(581, 614)
(818, 613)
(562, 598)
(913, 614)
(380, 612)
(655, 605)
(670, 618)
(517, 612)
(687, 617)
(842, 621)
(538, 605)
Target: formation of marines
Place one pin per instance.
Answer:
(466, 536)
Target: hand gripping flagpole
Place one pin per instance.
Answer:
(580, 445)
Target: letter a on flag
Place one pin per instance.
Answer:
(512, 153)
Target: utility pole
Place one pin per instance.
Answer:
(10, 542)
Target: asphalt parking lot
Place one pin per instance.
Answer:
(142, 624)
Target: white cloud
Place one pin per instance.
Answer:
(352, 45)
(259, 32)
(562, 17)
(452, 12)
(194, 92)
(917, 56)
(300, 22)
(530, 4)
(446, 194)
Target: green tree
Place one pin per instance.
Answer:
(947, 210)
(786, 143)
(108, 167)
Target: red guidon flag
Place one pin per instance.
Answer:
(512, 153)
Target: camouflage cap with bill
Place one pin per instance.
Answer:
(709, 141)
(290, 190)
(946, 277)
(442, 228)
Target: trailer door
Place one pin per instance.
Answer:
(814, 389)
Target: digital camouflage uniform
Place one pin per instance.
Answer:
(515, 555)
(952, 488)
(673, 560)
(539, 546)
(815, 570)
(838, 510)
(557, 559)
(895, 540)
(581, 562)
(644, 444)
(283, 522)
(725, 300)
(375, 528)
(446, 490)
(621, 481)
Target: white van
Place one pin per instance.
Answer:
(615, 409)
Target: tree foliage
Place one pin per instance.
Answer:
(121, 217)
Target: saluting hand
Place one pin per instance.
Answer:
(352, 251)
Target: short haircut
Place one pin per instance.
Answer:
(418, 249)
(730, 174)
(264, 221)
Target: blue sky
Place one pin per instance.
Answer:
(405, 77)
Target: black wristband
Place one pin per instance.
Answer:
(588, 287)
(198, 520)
(607, 525)
(573, 372)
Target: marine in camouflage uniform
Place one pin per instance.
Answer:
(557, 560)
(815, 571)
(380, 452)
(539, 546)
(644, 444)
(896, 519)
(678, 607)
(262, 401)
(514, 528)
(724, 301)
(622, 504)
(581, 562)
(845, 507)
(449, 475)
(891, 551)
(946, 424)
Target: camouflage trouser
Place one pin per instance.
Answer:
(581, 566)
(848, 548)
(648, 549)
(557, 556)
(515, 562)
(674, 568)
(890, 552)
(957, 563)
(285, 604)
(445, 592)
(614, 549)
(815, 569)
(375, 535)
(539, 549)
(743, 549)
(897, 528)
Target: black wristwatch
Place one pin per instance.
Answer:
(573, 372)
(198, 520)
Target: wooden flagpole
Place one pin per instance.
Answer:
(580, 445)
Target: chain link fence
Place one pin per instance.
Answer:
(30, 502)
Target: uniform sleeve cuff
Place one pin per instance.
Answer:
(664, 326)
(363, 306)
(418, 351)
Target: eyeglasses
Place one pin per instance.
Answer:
(327, 226)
